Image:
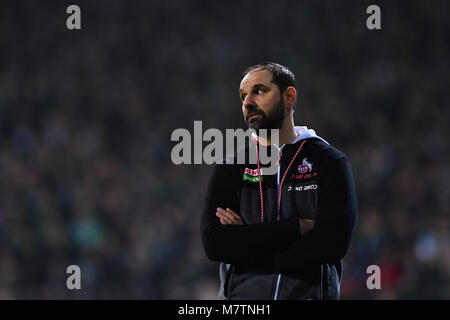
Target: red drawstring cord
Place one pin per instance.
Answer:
(260, 183)
(284, 176)
(281, 183)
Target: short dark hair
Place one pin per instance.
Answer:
(281, 75)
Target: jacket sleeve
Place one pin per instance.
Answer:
(247, 244)
(335, 221)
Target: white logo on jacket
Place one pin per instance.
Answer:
(303, 188)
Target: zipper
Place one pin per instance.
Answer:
(321, 282)
(277, 286)
(226, 283)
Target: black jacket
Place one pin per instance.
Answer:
(271, 259)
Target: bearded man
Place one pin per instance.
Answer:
(283, 235)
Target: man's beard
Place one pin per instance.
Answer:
(274, 120)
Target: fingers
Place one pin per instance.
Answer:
(224, 216)
(228, 216)
(305, 225)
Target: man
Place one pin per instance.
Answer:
(280, 236)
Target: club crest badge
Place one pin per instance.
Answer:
(305, 166)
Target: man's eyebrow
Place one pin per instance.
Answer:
(259, 85)
(255, 86)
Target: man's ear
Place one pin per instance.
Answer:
(290, 96)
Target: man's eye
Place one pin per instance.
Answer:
(259, 91)
(243, 97)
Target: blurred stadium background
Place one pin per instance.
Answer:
(86, 118)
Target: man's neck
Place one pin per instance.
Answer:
(287, 135)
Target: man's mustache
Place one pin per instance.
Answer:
(254, 112)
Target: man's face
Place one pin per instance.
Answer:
(262, 104)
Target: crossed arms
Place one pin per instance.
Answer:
(285, 245)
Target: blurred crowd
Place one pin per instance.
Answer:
(86, 118)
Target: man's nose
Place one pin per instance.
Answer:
(248, 102)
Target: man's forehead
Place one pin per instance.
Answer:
(256, 77)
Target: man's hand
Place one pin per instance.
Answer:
(228, 216)
(305, 225)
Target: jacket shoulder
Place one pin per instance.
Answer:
(327, 151)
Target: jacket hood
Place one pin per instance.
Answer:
(305, 133)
